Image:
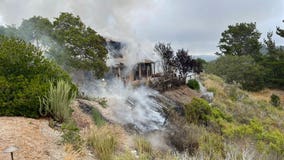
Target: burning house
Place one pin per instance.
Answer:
(140, 72)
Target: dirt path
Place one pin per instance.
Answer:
(35, 139)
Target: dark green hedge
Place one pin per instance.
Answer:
(24, 77)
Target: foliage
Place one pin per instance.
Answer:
(71, 135)
(273, 62)
(254, 126)
(36, 29)
(240, 69)
(273, 140)
(56, 102)
(193, 84)
(67, 40)
(9, 31)
(240, 39)
(97, 117)
(212, 145)
(198, 111)
(24, 76)
(167, 54)
(181, 63)
(84, 47)
(280, 31)
(104, 142)
(186, 138)
(184, 63)
(200, 65)
(275, 100)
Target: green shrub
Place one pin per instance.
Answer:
(193, 84)
(56, 102)
(198, 111)
(275, 100)
(71, 135)
(24, 76)
(97, 117)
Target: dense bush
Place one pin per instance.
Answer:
(24, 77)
(269, 141)
(241, 69)
(275, 100)
(193, 84)
(198, 111)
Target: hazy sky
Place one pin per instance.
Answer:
(195, 25)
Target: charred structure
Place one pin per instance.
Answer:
(140, 73)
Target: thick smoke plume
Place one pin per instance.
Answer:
(137, 107)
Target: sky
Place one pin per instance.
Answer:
(195, 25)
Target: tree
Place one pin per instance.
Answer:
(241, 69)
(240, 39)
(273, 62)
(183, 63)
(84, 48)
(200, 65)
(270, 44)
(36, 29)
(280, 31)
(167, 54)
(9, 31)
(24, 77)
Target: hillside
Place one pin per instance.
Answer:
(241, 124)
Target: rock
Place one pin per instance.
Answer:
(85, 107)
(208, 96)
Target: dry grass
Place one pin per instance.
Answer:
(265, 95)
(215, 83)
(126, 156)
(143, 146)
(105, 140)
(70, 153)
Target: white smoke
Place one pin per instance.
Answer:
(112, 19)
(134, 106)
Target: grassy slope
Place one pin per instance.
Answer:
(254, 121)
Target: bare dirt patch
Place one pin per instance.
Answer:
(35, 139)
(182, 95)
